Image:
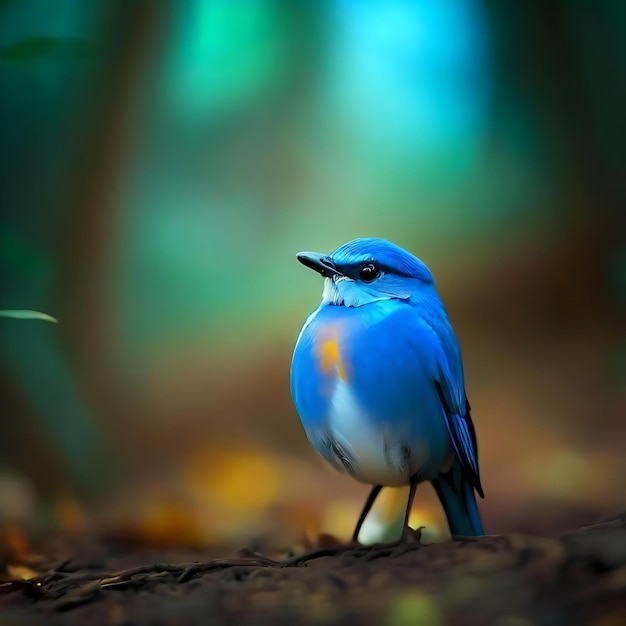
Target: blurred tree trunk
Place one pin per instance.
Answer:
(568, 58)
(87, 304)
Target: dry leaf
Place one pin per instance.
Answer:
(21, 572)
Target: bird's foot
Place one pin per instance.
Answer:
(411, 535)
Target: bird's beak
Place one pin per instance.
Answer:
(318, 262)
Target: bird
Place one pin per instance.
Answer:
(377, 381)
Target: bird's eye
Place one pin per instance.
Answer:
(369, 272)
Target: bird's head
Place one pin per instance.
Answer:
(368, 270)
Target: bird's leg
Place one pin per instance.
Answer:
(366, 509)
(406, 530)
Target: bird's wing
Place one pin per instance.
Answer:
(448, 380)
(463, 437)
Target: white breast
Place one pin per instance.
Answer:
(367, 445)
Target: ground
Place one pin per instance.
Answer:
(577, 577)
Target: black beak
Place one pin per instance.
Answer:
(318, 262)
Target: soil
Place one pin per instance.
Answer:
(576, 577)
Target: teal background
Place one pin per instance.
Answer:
(163, 162)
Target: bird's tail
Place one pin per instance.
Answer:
(459, 502)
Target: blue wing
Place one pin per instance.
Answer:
(463, 437)
(451, 390)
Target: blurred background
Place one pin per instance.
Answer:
(163, 162)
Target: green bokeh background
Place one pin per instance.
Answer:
(163, 162)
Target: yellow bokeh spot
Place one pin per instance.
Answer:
(170, 522)
(386, 519)
(431, 526)
(340, 517)
(69, 514)
(244, 479)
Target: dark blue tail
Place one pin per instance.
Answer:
(459, 503)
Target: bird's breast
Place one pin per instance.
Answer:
(359, 398)
(328, 351)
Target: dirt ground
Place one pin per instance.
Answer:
(577, 577)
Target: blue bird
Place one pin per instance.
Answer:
(377, 380)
